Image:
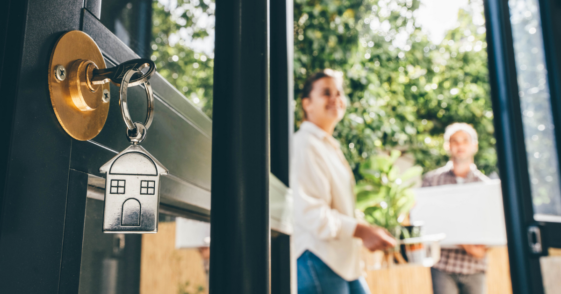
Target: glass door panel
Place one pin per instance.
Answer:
(539, 134)
(177, 35)
(172, 261)
(536, 108)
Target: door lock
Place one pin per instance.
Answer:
(535, 240)
(79, 83)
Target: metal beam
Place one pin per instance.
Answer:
(282, 118)
(282, 82)
(240, 234)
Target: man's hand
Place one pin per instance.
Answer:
(374, 238)
(477, 251)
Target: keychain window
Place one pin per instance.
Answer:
(147, 187)
(117, 186)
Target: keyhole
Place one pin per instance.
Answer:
(106, 95)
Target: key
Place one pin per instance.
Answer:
(116, 74)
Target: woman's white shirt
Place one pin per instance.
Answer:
(324, 221)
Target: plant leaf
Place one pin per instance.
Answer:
(412, 172)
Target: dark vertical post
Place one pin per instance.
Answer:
(282, 95)
(281, 128)
(144, 28)
(239, 260)
(524, 271)
(73, 232)
(35, 165)
(12, 32)
(280, 263)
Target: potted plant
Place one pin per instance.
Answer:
(384, 194)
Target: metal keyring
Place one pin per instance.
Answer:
(138, 135)
(123, 101)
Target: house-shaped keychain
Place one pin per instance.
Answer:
(132, 192)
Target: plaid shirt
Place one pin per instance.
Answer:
(456, 261)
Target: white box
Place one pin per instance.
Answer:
(191, 233)
(466, 213)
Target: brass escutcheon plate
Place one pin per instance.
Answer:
(79, 106)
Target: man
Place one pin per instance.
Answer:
(460, 270)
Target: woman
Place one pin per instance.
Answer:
(326, 234)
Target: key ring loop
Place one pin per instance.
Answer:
(131, 126)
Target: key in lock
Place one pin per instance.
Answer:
(79, 90)
(85, 79)
(85, 75)
(116, 74)
(78, 83)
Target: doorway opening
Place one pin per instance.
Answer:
(411, 69)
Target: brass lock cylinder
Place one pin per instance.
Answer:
(81, 106)
(84, 95)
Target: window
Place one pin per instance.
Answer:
(147, 187)
(175, 260)
(117, 186)
(177, 35)
(537, 113)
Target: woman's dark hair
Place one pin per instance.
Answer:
(309, 84)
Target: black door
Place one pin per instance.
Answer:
(523, 37)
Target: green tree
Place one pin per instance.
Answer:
(461, 94)
(188, 70)
(402, 89)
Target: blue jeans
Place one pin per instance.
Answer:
(315, 277)
(447, 283)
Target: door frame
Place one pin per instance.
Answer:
(525, 270)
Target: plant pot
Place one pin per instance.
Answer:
(415, 251)
(424, 251)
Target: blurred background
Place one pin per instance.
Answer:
(410, 69)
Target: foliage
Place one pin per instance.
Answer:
(384, 193)
(184, 289)
(402, 89)
(177, 24)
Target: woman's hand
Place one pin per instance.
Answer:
(477, 251)
(374, 238)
